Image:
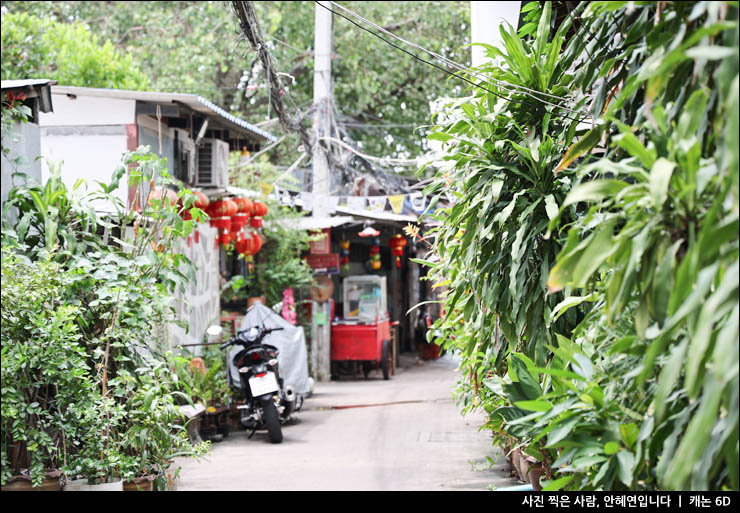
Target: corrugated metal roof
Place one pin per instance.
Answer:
(193, 101)
(14, 84)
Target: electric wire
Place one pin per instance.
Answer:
(522, 102)
(451, 63)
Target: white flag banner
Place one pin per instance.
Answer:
(307, 200)
(356, 203)
(377, 203)
(331, 204)
(287, 199)
(418, 202)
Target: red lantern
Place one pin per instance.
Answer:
(242, 246)
(201, 202)
(250, 244)
(244, 209)
(159, 194)
(397, 243)
(257, 241)
(244, 206)
(259, 209)
(220, 213)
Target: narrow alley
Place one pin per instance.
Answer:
(354, 434)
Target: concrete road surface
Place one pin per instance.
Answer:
(368, 435)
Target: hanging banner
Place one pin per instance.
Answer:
(286, 199)
(396, 203)
(355, 203)
(331, 204)
(267, 188)
(376, 203)
(418, 202)
(307, 200)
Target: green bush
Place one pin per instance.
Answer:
(90, 389)
(46, 375)
(34, 47)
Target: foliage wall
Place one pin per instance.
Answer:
(591, 248)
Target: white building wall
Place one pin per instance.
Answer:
(485, 20)
(200, 305)
(88, 135)
(88, 111)
(88, 157)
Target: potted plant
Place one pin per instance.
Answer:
(44, 371)
(155, 433)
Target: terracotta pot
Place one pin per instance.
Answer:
(140, 484)
(524, 465)
(516, 459)
(535, 473)
(323, 290)
(23, 484)
(259, 299)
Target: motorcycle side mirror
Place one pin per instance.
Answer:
(214, 331)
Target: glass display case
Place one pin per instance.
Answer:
(365, 298)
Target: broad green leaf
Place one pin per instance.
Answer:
(561, 431)
(557, 484)
(594, 190)
(660, 177)
(612, 448)
(534, 405)
(626, 460)
(588, 141)
(551, 206)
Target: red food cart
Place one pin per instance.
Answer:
(363, 336)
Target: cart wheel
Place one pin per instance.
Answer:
(386, 362)
(334, 371)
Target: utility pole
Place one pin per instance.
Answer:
(321, 320)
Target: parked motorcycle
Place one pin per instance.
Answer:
(268, 402)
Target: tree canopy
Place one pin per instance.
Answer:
(196, 47)
(68, 53)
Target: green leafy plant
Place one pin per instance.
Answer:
(34, 47)
(638, 389)
(46, 374)
(115, 292)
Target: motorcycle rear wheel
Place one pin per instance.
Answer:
(272, 421)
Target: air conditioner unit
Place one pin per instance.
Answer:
(186, 154)
(213, 163)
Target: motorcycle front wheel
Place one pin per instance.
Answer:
(272, 421)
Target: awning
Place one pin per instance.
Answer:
(192, 101)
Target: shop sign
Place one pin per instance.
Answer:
(325, 264)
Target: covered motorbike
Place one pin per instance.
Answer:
(268, 401)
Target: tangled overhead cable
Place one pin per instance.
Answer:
(250, 27)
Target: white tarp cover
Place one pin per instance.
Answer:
(291, 344)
